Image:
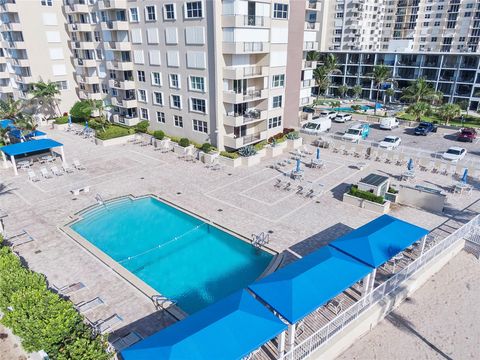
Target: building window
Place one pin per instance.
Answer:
(176, 101)
(156, 79)
(133, 14)
(161, 117)
(144, 114)
(174, 81)
(197, 83)
(280, 11)
(141, 75)
(198, 105)
(150, 13)
(62, 85)
(142, 95)
(157, 98)
(274, 122)
(169, 10)
(278, 81)
(277, 101)
(47, 2)
(200, 126)
(194, 9)
(96, 35)
(178, 121)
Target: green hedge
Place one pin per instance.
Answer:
(142, 126)
(113, 131)
(354, 191)
(41, 318)
(230, 155)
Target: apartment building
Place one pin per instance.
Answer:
(437, 40)
(35, 47)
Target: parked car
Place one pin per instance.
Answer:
(357, 132)
(454, 154)
(467, 134)
(390, 142)
(341, 118)
(316, 126)
(389, 123)
(327, 113)
(424, 128)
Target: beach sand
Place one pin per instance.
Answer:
(441, 320)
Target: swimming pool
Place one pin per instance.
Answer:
(349, 109)
(177, 254)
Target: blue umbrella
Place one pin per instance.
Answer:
(69, 119)
(465, 176)
(318, 153)
(86, 124)
(410, 165)
(298, 165)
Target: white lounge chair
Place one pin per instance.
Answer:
(32, 176)
(107, 325)
(78, 165)
(55, 171)
(67, 168)
(125, 341)
(45, 173)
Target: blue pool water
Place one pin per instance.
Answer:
(178, 255)
(349, 109)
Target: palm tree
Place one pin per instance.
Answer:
(381, 75)
(11, 109)
(321, 80)
(357, 91)
(26, 122)
(45, 93)
(98, 105)
(419, 109)
(449, 112)
(342, 89)
(421, 90)
(390, 92)
(312, 56)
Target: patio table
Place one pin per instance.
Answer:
(317, 164)
(296, 174)
(460, 187)
(47, 158)
(408, 175)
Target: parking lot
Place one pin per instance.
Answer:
(437, 142)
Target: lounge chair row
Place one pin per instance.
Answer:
(303, 190)
(54, 171)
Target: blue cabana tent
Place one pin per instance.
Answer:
(379, 240)
(228, 329)
(298, 289)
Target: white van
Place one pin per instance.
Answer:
(389, 123)
(316, 126)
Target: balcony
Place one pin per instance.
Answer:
(4, 74)
(124, 65)
(9, 7)
(235, 72)
(12, 26)
(124, 103)
(85, 62)
(20, 62)
(129, 120)
(313, 5)
(85, 45)
(24, 79)
(112, 4)
(245, 47)
(76, 8)
(117, 46)
(251, 95)
(306, 64)
(236, 143)
(310, 45)
(307, 83)
(313, 26)
(88, 79)
(122, 84)
(120, 25)
(15, 44)
(90, 95)
(5, 89)
(245, 21)
(80, 27)
(235, 119)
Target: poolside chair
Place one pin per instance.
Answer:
(107, 325)
(422, 164)
(70, 288)
(78, 165)
(85, 306)
(443, 168)
(299, 190)
(67, 168)
(309, 193)
(400, 160)
(45, 173)
(55, 171)
(125, 342)
(336, 305)
(380, 155)
(287, 186)
(32, 176)
(278, 184)
(389, 157)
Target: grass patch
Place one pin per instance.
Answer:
(230, 155)
(114, 131)
(367, 195)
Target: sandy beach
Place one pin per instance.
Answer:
(440, 320)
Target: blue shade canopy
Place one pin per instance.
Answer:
(297, 289)
(228, 329)
(6, 123)
(379, 240)
(29, 147)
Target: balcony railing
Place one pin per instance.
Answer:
(252, 20)
(253, 46)
(251, 138)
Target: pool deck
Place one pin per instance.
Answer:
(243, 200)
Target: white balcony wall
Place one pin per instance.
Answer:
(305, 93)
(278, 58)
(241, 60)
(240, 7)
(308, 74)
(309, 36)
(279, 35)
(245, 35)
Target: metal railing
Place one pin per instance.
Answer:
(305, 348)
(252, 20)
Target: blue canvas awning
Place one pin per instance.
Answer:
(379, 240)
(29, 147)
(35, 133)
(303, 286)
(228, 329)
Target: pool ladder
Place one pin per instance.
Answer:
(99, 199)
(260, 239)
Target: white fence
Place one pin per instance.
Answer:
(321, 337)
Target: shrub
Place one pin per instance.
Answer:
(259, 146)
(354, 191)
(206, 147)
(175, 139)
(247, 151)
(113, 131)
(230, 155)
(287, 130)
(41, 318)
(158, 134)
(392, 190)
(356, 107)
(142, 126)
(82, 110)
(61, 120)
(184, 142)
(293, 135)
